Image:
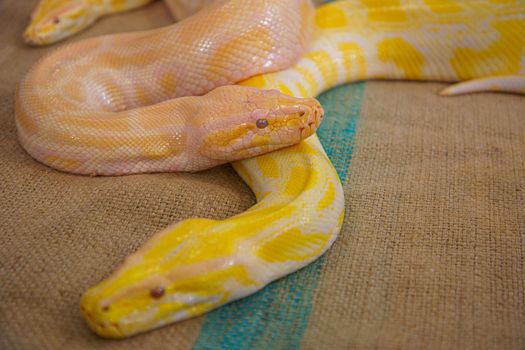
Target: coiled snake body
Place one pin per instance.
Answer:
(198, 264)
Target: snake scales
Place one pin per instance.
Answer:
(199, 264)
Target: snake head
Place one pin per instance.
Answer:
(183, 271)
(54, 20)
(250, 122)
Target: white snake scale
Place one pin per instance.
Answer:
(196, 265)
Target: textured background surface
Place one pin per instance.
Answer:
(431, 255)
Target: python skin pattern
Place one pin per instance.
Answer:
(198, 264)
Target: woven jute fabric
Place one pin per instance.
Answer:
(61, 234)
(431, 254)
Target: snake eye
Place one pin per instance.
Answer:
(261, 123)
(56, 20)
(157, 292)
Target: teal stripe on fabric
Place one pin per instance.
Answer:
(277, 316)
(342, 107)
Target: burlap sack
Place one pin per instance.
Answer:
(431, 254)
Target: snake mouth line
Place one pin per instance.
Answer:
(302, 134)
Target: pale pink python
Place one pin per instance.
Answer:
(111, 105)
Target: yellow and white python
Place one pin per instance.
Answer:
(198, 264)
(55, 20)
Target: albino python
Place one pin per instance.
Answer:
(56, 20)
(198, 264)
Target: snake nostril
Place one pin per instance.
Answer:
(319, 112)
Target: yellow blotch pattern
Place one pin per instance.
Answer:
(302, 90)
(260, 140)
(268, 167)
(292, 245)
(305, 148)
(167, 146)
(330, 16)
(309, 78)
(168, 83)
(403, 55)
(223, 138)
(300, 180)
(341, 218)
(118, 5)
(229, 50)
(174, 236)
(328, 197)
(385, 10)
(285, 90)
(443, 6)
(500, 57)
(325, 64)
(353, 53)
(142, 95)
(258, 81)
(207, 244)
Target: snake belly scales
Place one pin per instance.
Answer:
(197, 265)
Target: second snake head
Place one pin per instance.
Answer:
(55, 20)
(249, 122)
